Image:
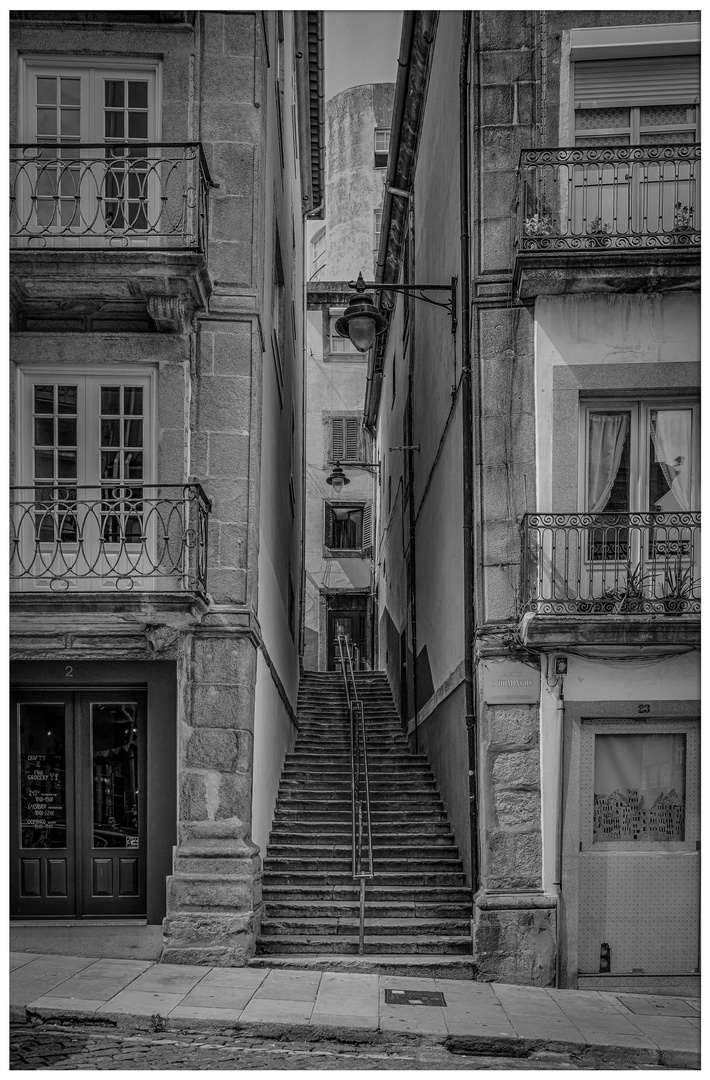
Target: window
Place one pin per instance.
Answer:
(318, 254)
(348, 527)
(345, 438)
(342, 348)
(71, 102)
(376, 235)
(641, 456)
(382, 147)
(86, 454)
(637, 101)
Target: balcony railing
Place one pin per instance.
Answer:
(611, 564)
(94, 195)
(109, 538)
(609, 197)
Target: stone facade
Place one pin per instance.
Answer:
(206, 324)
(554, 325)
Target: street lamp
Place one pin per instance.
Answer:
(362, 322)
(338, 479)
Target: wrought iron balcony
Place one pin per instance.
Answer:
(114, 196)
(611, 564)
(577, 202)
(109, 538)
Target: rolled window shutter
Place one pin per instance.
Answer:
(352, 430)
(337, 443)
(328, 525)
(643, 80)
(367, 528)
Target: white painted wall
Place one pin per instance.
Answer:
(606, 334)
(675, 678)
(274, 737)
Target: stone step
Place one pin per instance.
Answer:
(410, 879)
(448, 863)
(378, 764)
(335, 781)
(346, 927)
(382, 944)
(291, 800)
(421, 966)
(343, 909)
(383, 817)
(287, 848)
(375, 893)
(423, 832)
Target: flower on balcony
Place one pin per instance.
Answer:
(598, 228)
(683, 218)
(538, 225)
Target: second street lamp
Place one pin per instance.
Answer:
(362, 322)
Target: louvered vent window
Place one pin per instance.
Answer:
(345, 438)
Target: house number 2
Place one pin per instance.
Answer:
(646, 708)
(68, 672)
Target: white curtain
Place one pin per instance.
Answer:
(608, 433)
(671, 438)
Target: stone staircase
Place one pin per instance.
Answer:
(418, 908)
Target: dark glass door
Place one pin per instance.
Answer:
(78, 803)
(43, 833)
(348, 618)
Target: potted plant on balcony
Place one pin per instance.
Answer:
(678, 588)
(538, 225)
(683, 219)
(599, 233)
(627, 592)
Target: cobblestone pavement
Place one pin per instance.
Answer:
(59, 1047)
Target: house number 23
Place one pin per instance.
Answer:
(645, 708)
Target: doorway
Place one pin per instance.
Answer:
(78, 803)
(638, 857)
(348, 615)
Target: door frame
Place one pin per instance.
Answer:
(159, 679)
(331, 601)
(576, 712)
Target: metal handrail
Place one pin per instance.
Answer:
(358, 772)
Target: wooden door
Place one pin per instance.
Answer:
(78, 789)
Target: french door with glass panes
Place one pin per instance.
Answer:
(640, 457)
(622, 198)
(82, 516)
(93, 174)
(78, 803)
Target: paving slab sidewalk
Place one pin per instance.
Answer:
(479, 1017)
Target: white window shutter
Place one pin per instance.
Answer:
(367, 527)
(337, 442)
(352, 431)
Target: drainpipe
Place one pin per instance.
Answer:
(409, 460)
(560, 717)
(467, 456)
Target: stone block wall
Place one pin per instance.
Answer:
(514, 921)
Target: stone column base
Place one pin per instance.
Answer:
(213, 902)
(515, 938)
